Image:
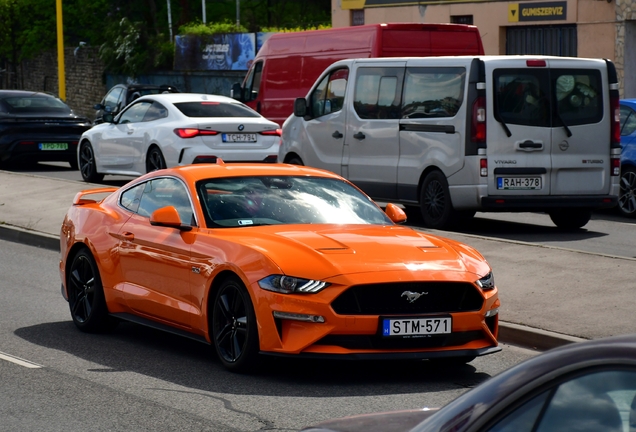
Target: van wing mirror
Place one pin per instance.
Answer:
(237, 92)
(300, 107)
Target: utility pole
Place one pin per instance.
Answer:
(61, 77)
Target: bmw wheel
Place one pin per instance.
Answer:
(627, 194)
(234, 330)
(86, 294)
(155, 160)
(87, 165)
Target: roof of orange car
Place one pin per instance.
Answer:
(222, 169)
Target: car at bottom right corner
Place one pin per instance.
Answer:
(627, 194)
(584, 387)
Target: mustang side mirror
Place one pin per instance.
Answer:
(168, 217)
(395, 213)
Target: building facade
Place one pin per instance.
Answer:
(577, 28)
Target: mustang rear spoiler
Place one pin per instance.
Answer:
(80, 200)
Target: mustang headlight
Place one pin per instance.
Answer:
(487, 282)
(290, 284)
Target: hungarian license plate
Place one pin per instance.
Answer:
(519, 183)
(53, 146)
(239, 137)
(416, 326)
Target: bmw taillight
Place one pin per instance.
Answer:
(192, 132)
(274, 132)
(478, 126)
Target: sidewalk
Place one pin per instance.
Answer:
(550, 296)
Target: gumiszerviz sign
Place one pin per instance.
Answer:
(547, 11)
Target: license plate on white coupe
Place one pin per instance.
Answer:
(53, 146)
(416, 326)
(239, 137)
(519, 183)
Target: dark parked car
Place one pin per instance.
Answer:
(627, 195)
(121, 95)
(584, 387)
(38, 127)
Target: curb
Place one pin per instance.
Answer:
(509, 333)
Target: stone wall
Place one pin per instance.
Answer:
(84, 73)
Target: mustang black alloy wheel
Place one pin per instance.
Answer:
(87, 166)
(234, 328)
(86, 295)
(155, 160)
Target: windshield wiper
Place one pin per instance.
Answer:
(568, 132)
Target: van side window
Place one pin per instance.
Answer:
(522, 97)
(433, 92)
(377, 93)
(253, 82)
(578, 94)
(328, 96)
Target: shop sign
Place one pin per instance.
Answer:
(547, 11)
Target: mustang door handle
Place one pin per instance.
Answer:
(359, 136)
(530, 145)
(125, 236)
(337, 134)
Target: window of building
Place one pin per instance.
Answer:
(461, 19)
(357, 17)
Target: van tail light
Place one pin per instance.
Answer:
(616, 166)
(616, 120)
(192, 132)
(483, 167)
(478, 126)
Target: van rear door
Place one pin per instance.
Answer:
(580, 151)
(519, 136)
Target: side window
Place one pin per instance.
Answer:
(165, 192)
(135, 113)
(628, 121)
(597, 401)
(253, 82)
(377, 92)
(112, 98)
(579, 97)
(433, 92)
(156, 111)
(328, 96)
(130, 199)
(522, 97)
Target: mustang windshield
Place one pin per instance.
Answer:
(265, 200)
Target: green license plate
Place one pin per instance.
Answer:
(53, 146)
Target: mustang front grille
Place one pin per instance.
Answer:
(378, 342)
(403, 298)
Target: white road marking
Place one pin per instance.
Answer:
(19, 361)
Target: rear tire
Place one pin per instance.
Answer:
(155, 160)
(435, 202)
(627, 194)
(295, 160)
(570, 219)
(87, 165)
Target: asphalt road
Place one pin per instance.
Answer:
(140, 379)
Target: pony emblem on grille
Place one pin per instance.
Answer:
(412, 296)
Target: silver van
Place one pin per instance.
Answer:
(456, 135)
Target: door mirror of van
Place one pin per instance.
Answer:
(300, 107)
(237, 92)
(395, 213)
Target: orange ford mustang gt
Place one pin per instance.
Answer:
(273, 259)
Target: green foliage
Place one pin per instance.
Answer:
(199, 29)
(295, 29)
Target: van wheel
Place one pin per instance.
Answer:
(295, 160)
(570, 219)
(435, 202)
(627, 194)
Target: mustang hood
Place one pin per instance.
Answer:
(327, 251)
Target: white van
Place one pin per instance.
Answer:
(456, 135)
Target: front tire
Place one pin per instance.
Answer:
(234, 329)
(155, 160)
(86, 294)
(87, 165)
(627, 194)
(570, 219)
